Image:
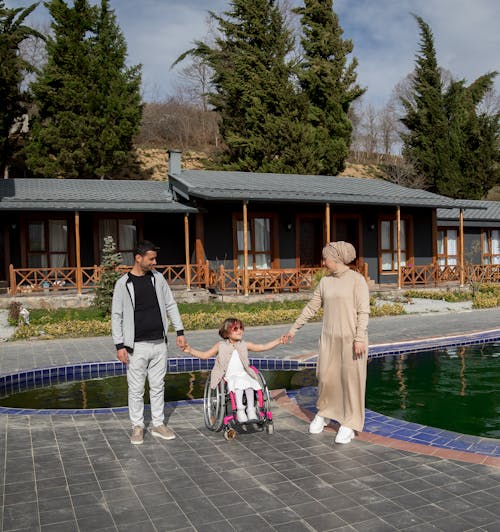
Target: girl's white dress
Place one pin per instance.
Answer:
(236, 376)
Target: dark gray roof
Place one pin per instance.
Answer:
(475, 210)
(88, 195)
(221, 185)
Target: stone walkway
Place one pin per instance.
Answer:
(79, 473)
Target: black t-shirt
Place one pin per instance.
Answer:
(147, 316)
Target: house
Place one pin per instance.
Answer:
(288, 218)
(52, 230)
(241, 231)
(481, 233)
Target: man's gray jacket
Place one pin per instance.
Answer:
(122, 309)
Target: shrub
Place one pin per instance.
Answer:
(109, 275)
(386, 309)
(14, 310)
(451, 296)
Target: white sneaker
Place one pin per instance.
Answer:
(252, 414)
(317, 424)
(344, 435)
(241, 417)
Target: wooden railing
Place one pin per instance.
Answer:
(29, 280)
(487, 273)
(33, 280)
(435, 274)
(260, 281)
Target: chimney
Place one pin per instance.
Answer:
(174, 162)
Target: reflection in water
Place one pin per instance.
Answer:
(83, 389)
(463, 382)
(400, 375)
(189, 392)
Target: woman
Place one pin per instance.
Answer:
(343, 345)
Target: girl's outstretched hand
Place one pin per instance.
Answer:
(186, 349)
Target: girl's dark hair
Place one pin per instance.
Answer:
(229, 324)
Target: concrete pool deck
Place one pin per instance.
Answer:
(80, 472)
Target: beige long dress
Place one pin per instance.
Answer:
(341, 378)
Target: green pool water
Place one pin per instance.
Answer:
(111, 392)
(456, 389)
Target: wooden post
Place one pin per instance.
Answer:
(398, 230)
(434, 236)
(186, 246)
(79, 280)
(461, 249)
(245, 247)
(199, 249)
(327, 222)
(222, 279)
(12, 280)
(6, 247)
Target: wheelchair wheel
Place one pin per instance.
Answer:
(214, 406)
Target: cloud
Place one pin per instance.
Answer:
(384, 33)
(386, 38)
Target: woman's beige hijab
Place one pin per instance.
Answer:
(340, 252)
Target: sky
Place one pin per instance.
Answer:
(384, 33)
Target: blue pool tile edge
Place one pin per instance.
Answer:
(382, 425)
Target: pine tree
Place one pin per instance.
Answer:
(110, 262)
(426, 144)
(13, 32)
(116, 103)
(449, 143)
(88, 101)
(262, 116)
(328, 81)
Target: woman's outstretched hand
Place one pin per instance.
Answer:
(288, 337)
(359, 349)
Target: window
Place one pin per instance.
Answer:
(447, 247)
(490, 246)
(124, 233)
(389, 245)
(48, 244)
(259, 243)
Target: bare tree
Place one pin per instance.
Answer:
(388, 129)
(403, 173)
(490, 105)
(34, 52)
(177, 123)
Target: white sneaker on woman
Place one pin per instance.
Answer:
(317, 424)
(344, 435)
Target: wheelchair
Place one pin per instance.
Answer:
(219, 409)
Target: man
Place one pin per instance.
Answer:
(142, 300)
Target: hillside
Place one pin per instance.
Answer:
(152, 163)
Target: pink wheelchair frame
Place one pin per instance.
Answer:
(219, 408)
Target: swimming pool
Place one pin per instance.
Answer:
(423, 388)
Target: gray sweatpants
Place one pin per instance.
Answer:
(149, 359)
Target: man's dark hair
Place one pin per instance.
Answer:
(143, 247)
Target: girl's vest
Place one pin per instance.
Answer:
(225, 352)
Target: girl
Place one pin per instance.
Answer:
(232, 364)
